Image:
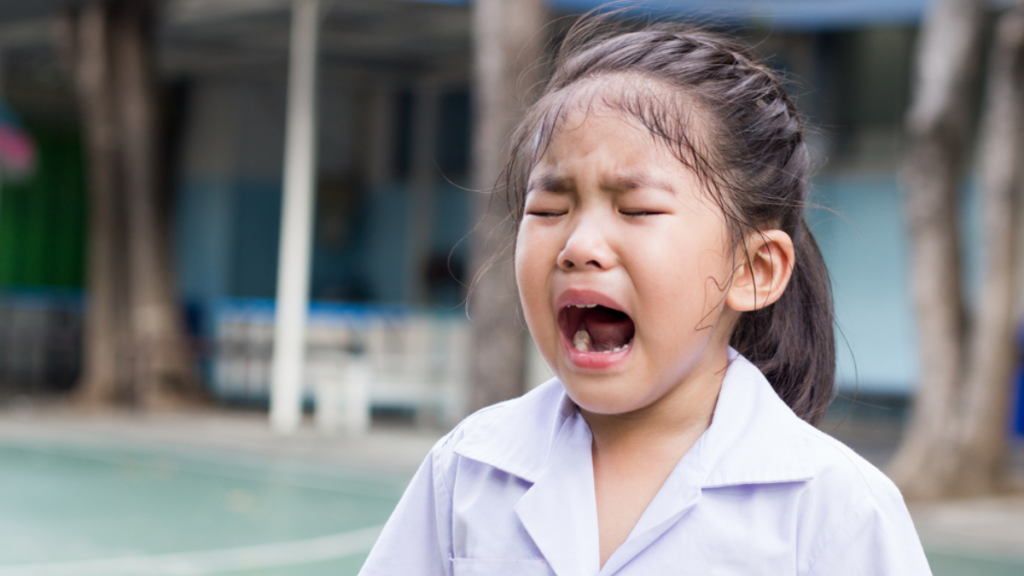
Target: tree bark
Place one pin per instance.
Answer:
(163, 365)
(86, 42)
(508, 41)
(986, 387)
(939, 126)
(135, 344)
(955, 441)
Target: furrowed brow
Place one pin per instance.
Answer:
(550, 182)
(630, 182)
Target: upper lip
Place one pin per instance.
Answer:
(582, 296)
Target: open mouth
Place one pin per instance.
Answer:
(596, 329)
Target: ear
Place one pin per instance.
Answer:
(764, 271)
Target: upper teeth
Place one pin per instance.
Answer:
(583, 305)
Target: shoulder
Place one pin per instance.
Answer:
(755, 435)
(852, 518)
(859, 521)
(840, 502)
(853, 513)
(842, 473)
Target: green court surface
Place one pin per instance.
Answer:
(89, 510)
(100, 510)
(968, 564)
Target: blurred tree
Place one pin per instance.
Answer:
(136, 348)
(955, 442)
(508, 40)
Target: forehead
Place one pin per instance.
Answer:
(645, 118)
(612, 150)
(614, 139)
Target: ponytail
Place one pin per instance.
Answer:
(792, 341)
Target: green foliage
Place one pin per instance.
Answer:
(43, 219)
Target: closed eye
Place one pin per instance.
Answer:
(639, 213)
(544, 213)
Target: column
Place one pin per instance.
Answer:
(293, 269)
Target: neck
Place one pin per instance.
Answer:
(668, 426)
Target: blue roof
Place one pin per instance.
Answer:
(787, 14)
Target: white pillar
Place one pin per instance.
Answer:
(293, 264)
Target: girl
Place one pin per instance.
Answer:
(670, 281)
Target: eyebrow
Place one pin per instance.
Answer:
(551, 182)
(628, 182)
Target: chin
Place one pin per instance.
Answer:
(602, 397)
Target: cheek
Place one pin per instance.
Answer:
(533, 264)
(683, 282)
(522, 256)
(529, 269)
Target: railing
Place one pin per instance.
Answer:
(40, 341)
(357, 358)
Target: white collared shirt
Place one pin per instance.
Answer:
(511, 491)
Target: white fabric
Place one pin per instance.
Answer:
(511, 491)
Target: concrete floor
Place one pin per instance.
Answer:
(203, 492)
(983, 536)
(395, 449)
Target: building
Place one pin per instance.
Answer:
(393, 203)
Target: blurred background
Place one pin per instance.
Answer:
(236, 238)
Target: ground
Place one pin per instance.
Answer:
(216, 492)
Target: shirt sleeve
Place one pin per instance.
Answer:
(875, 539)
(417, 538)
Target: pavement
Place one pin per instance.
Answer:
(395, 448)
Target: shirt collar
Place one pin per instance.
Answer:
(754, 438)
(516, 436)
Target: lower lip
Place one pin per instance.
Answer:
(594, 360)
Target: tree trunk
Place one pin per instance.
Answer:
(163, 366)
(939, 126)
(955, 441)
(135, 343)
(508, 41)
(86, 43)
(983, 429)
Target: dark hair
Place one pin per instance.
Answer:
(749, 154)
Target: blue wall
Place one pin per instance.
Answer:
(227, 241)
(860, 228)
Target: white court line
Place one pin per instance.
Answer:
(211, 561)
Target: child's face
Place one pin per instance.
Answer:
(612, 218)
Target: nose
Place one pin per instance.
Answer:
(587, 248)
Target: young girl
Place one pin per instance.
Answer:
(670, 281)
